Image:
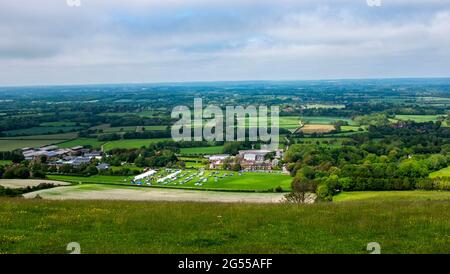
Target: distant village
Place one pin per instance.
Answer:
(249, 160)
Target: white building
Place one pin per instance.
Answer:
(253, 155)
(218, 157)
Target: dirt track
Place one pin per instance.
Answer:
(98, 192)
(21, 183)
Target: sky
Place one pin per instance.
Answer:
(143, 41)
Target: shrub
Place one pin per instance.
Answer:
(324, 193)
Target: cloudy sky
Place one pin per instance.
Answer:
(112, 41)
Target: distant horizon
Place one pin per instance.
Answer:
(226, 81)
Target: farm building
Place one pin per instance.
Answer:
(253, 155)
(256, 159)
(76, 148)
(216, 161)
(50, 152)
(80, 160)
(94, 154)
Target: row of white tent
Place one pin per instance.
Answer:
(144, 175)
(174, 176)
(169, 177)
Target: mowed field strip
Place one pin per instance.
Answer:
(12, 143)
(106, 192)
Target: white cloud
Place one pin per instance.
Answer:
(175, 40)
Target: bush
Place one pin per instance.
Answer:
(9, 192)
(278, 189)
(39, 174)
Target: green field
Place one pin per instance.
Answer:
(248, 181)
(81, 142)
(61, 137)
(12, 143)
(195, 165)
(150, 128)
(352, 128)
(445, 172)
(293, 122)
(386, 196)
(325, 120)
(286, 122)
(8, 145)
(419, 118)
(43, 226)
(201, 150)
(289, 122)
(62, 124)
(132, 143)
(195, 162)
(119, 129)
(41, 130)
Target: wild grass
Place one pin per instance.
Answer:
(43, 226)
(386, 196)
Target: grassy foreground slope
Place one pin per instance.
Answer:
(160, 227)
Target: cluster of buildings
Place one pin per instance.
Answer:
(48, 151)
(56, 156)
(216, 161)
(249, 160)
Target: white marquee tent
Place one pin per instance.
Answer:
(144, 175)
